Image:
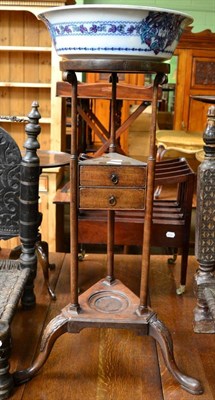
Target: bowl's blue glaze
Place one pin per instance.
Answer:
(101, 30)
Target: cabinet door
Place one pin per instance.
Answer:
(202, 82)
(195, 76)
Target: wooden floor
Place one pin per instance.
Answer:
(110, 364)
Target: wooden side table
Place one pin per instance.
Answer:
(111, 182)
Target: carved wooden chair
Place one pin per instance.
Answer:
(19, 215)
(41, 246)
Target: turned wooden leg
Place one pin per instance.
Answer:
(6, 380)
(203, 279)
(43, 258)
(28, 296)
(172, 260)
(205, 226)
(160, 333)
(183, 276)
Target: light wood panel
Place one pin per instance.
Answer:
(29, 71)
(195, 76)
(25, 71)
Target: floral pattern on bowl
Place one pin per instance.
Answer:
(119, 31)
(156, 31)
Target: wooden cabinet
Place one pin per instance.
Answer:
(195, 76)
(29, 71)
(103, 181)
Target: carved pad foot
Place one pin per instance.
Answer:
(161, 334)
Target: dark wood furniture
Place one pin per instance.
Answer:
(170, 223)
(171, 218)
(92, 225)
(19, 182)
(204, 321)
(111, 182)
(47, 159)
(90, 124)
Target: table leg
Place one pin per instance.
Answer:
(205, 230)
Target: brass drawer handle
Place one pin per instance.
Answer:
(114, 178)
(112, 200)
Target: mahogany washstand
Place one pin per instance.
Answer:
(111, 182)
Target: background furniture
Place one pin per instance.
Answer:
(19, 183)
(194, 76)
(90, 118)
(170, 223)
(187, 143)
(28, 71)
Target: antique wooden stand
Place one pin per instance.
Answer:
(111, 182)
(204, 313)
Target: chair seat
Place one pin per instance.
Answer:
(187, 142)
(12, 281)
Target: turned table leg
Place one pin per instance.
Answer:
(205, 229)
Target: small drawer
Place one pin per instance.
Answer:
(110, 198)
(118, 176)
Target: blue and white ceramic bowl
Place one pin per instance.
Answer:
(115, 31)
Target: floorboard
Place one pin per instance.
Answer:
(115, 364)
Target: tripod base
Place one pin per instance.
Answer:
(107, 305)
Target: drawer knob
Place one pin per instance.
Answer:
(112, 200)
(114, 178)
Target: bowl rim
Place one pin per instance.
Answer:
(114, 7)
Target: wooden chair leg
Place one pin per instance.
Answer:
(184, 261)
(172, 260)
(43, 258)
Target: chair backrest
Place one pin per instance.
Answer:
(10, 159)
(19, 183)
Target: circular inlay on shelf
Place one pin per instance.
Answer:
(108, 301)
